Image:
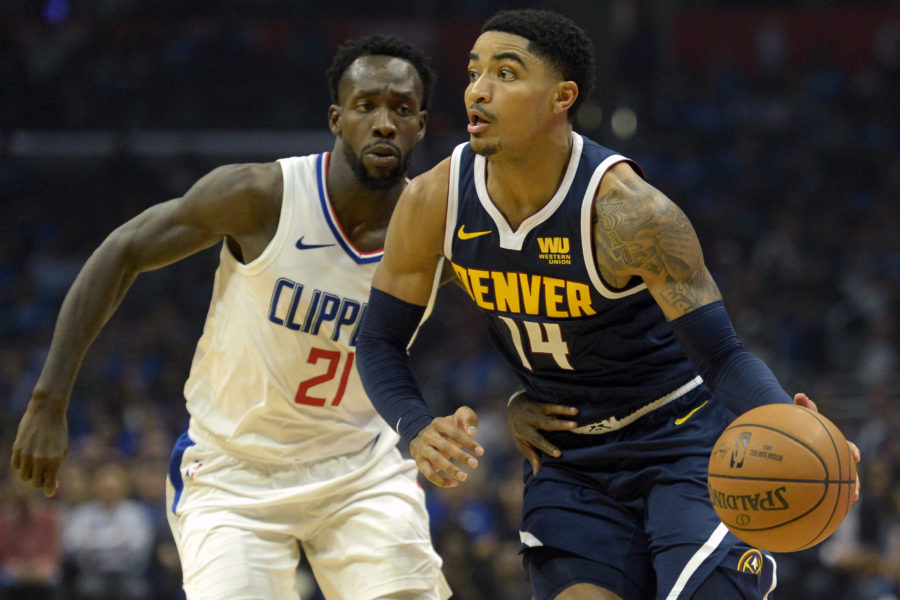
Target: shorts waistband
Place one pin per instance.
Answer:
(614, 423)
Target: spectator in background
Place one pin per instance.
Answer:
(30, 548)
(109, 541)
(867, 545)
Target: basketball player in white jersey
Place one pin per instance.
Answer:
(283, 444)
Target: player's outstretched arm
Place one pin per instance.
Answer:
(229, 201)
(526, 419)
(401, 288)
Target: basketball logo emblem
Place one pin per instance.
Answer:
(740, 450)
(751, 561)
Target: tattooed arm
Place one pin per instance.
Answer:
(638, 232)
(240, 203)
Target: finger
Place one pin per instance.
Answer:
(549, 424)
(48, 478)
(440, 452)
(532, 437)
(431, 473)
(50, 487)
(453, 452)
(26, 468)
(533, 457)
(854, 450)
(803, 400)
(558, 409)
(16, 459)
(451, 431)
(543, 445)
(467, 420)
(443, 468)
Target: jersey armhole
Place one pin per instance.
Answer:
(587, 237)
(452, 199)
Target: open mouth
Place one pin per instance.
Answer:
(477, 123)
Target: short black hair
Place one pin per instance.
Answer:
(555, 38)
(379, 45)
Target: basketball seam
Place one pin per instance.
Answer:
(837, 455)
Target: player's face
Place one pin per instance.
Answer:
(510, 94)
(379, 119)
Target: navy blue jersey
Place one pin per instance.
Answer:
(570, 337)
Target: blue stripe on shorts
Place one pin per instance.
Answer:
(181, 444)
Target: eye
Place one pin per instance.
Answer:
(363, 106)
(506, 74)
(473, 75)
(404, 110)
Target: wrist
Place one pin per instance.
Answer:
(410, 429)
(45, 400)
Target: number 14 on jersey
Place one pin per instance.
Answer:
(543, 338)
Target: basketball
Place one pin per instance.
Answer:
(781, 477)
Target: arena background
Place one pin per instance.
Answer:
(773, 124)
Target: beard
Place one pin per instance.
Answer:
(484, 147)
(369, 181)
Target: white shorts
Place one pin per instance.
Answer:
(360, 519)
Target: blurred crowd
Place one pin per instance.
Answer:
(789, 170)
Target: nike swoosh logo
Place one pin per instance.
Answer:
(465, 235)
(302, 246)
(681, 420)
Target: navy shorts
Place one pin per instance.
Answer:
(629, 511)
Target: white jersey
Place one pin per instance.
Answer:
(274, 375)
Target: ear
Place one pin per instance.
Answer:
(423, 120)
(566, 94)
(334, 119)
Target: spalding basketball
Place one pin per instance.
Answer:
(781, 477)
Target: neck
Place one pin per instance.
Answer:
(363, 213)
(521, 185)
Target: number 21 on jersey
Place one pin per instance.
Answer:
(543, 338)
(331, 360)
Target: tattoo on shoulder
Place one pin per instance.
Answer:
(638, 231)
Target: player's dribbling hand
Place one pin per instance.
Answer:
(801, 399)
(443, 441)
(41, 445)
(526, 416)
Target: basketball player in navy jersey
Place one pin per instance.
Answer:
(283, 446)
(596, 294)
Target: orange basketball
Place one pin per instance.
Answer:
(781, 477)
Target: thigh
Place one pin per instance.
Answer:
(376, 543)
(223, 557)
(573, 532)
(688, 541)
(229, 546)
(559, 575)
(587, 591)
